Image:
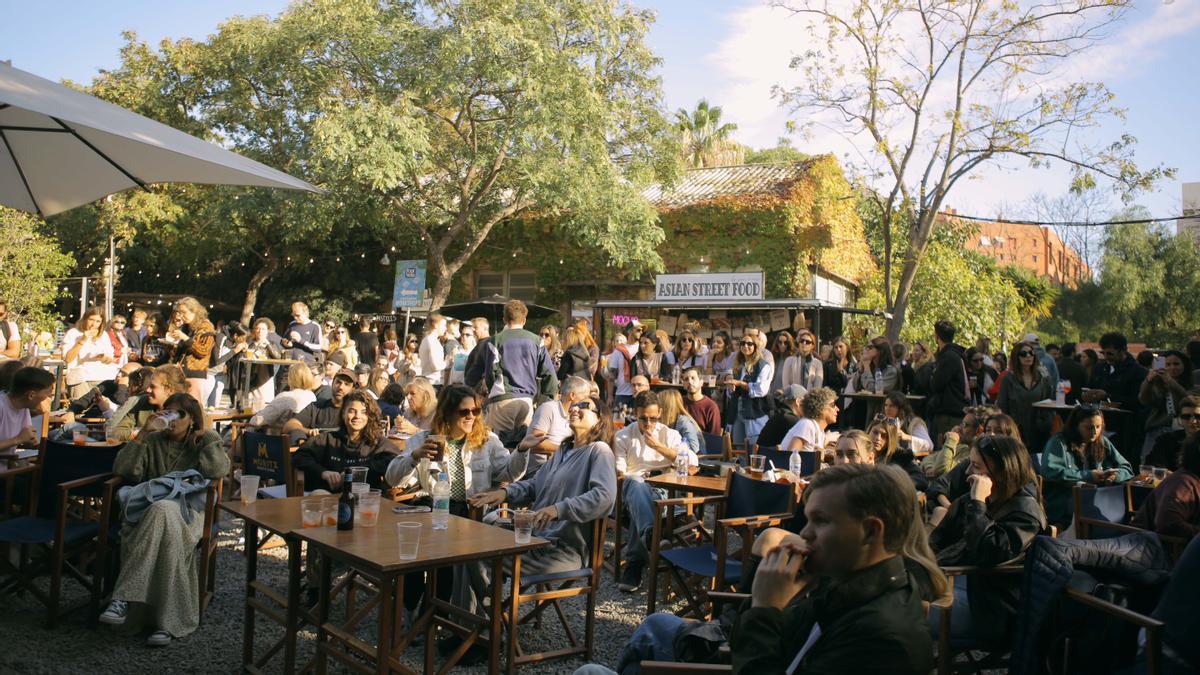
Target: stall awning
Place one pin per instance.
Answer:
(791, 303)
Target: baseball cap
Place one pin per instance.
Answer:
(1031, 338)
(794, 392)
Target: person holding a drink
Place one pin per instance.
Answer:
(357, 442)
(576, 486)
(166, 380)
(648, 447)
(158, 552)
(1079, 453)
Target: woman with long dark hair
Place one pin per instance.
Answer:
(358, 441)
(1161, 394)
(877, 355)
(1024, 385)
(993, 523)
(687, 354)
(158, 552)
(88, 353)
(1079, 453)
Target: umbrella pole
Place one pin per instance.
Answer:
(108, 280)
(407, 314)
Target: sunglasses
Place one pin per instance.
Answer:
(469, 412)
(806, 342)
(647, 419)
(582, 405)
(1024, 354)
(686, 340)
(748, 343)
(1189, 416)
(545, 334)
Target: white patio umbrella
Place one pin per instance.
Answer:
(60, 148)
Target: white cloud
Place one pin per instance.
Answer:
(754, 57)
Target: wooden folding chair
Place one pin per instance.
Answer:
(546, 591)
(268, 457)
(747, 506)
(612, 523)
(717, 446)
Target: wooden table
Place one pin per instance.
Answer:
(695, 484)
(218, 415)
(374, 554)
(1066, 407)
(278, 517)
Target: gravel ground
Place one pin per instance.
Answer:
(216, 646)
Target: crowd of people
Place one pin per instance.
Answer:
(951, 462)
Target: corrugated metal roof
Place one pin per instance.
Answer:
(701, 185)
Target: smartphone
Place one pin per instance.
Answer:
(1160, 362)
(402, 508)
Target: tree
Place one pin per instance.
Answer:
(930, 91)
(1072, 209)
(31, 269)
(704, 139)
(782, 152)
(458, 116)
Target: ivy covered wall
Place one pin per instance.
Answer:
(809, 221)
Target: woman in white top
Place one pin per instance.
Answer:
(687, 353)
(820, 412)
(301, 384)
(88, 353)
(721, 354)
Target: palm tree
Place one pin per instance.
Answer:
(705, 140)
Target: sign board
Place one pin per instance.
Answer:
(719, 287)
(409, 290)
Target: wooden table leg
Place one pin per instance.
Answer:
(387, 614)
(293, 605)
(324, 574)
(250, 533)
(431, 625)
(513, 618)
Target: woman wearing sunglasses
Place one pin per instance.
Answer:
(803, 367)
(459, 443)
(687, 351)
(750, 387)
(341, 343)
(1025, 384)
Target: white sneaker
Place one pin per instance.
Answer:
(159, 638)
(116, 613)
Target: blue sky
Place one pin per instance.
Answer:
(729, 51)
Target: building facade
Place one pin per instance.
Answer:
(1191, 207)
(1032, 247)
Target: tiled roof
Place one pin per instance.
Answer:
(701, 185)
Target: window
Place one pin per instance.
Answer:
(1035, 258)
(518, 284)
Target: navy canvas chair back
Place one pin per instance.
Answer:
(1137, 495)
(749, 497)
(1177, 606)
(266, 456)
(1107, 503)
(714, 444)
(62, 462)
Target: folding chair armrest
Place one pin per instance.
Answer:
(17, 471)
(670, 667)
(1120, 527)
(754, 521)
(727, 598)
(1115, 611)
(963, 570)
(80, 482)
(688, 501)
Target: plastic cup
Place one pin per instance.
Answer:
(359, 489)
(409, 534)
(249, 489)
(1160, 474)
(523, 526)
(329, 511)
(359, 474)
(310, 513)
(1146, 472)
(757, 464)
(368, 509)
(79, 437)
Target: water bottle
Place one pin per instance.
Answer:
(795, 463)
(878, 381)
(681, 465)
(441, 502)
(1060, 393)
(675, 374)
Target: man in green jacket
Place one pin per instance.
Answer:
(840, 600)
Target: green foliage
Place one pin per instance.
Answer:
(458, 116)
(782, 152)
(1147, 289)
(31, 267)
